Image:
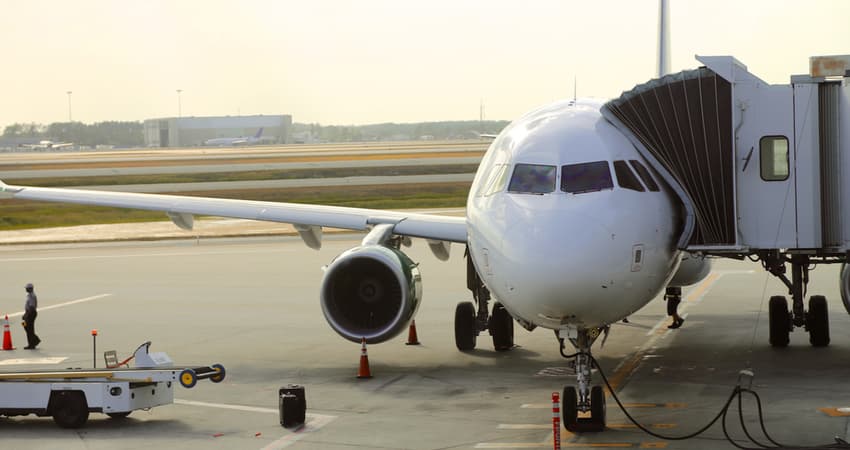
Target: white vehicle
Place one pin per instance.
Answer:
(70, 395)
(48, 145)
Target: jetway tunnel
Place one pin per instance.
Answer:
(757, 166)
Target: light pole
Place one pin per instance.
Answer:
(179, 105)
(70, 117)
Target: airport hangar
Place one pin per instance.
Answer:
(193, 131)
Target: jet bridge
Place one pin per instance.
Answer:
(758, 167)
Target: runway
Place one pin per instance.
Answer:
(252, 305)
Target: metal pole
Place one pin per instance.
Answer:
(70, 117)
(94, 349)
(179, 105)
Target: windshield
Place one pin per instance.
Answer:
(533, 179)
(586, 177)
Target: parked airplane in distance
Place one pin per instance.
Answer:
(47, 145)
(233, 141)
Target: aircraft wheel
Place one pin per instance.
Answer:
(569, 408)
(780, 321)
(597, 407)
(69, 409)
(465, 326)
(817, 321)
(501, 328)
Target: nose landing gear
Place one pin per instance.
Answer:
(582, 398)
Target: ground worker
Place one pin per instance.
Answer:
(30, 313)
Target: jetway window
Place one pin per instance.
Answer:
(773, 153)
(586, 177)
(533, 179)
(626, 178)
(644, 175)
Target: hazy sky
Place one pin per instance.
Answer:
(368, 61)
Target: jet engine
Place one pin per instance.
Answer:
(371, 291)
(692, 269)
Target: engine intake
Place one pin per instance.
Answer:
(371, 291)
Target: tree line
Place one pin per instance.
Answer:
(119, 134)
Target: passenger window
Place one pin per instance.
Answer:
(773, 154)
(533, 179)
(644, 175)
(626, 178)
(586, 177)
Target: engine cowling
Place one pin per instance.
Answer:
(692, 269)
(371, 291)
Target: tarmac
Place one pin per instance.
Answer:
(250, 303)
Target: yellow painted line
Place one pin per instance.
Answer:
(564, 445)
(835, 412)
(627, 426)
(700, 290)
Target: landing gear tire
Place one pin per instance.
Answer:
(597, 408)
(569, 408)
(501, 328)
(780, 320)
(817, 321)
(465, 326)
(69, 409)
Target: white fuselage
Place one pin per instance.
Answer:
(569, 257)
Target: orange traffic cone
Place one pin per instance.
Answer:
(364, 371)
(7, 335)
(412, 338)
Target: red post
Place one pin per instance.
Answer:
(556, 421)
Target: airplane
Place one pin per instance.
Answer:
(567, 227)
(242, 140)
(47, 145)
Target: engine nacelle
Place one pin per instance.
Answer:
(692, 269)
(371, 291)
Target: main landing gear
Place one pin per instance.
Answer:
(583, 397)
(468, 323)
(783, 320)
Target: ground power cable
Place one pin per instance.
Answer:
(737, 393)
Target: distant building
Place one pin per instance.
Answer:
(194, 131)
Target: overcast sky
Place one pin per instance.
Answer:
(369, 61)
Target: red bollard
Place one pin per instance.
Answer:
(556, 421)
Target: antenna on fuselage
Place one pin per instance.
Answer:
(663, 38)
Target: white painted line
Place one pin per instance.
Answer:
(62, 305)
(48, 360)
(314, 421)
(226, 406)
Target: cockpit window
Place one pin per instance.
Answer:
(498, 179)
(626, 178)
(586, 177)
(533, 179)
(644, 175)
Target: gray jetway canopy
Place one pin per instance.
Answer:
(757, 166)
(685, 122)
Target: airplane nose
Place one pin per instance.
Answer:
(559, 262)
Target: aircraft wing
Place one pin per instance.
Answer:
(308, 219)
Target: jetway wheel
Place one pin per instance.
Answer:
(817, 321)
(466, 330)
(780, 320)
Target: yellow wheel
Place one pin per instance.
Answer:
(188, 378)
(219, 373)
